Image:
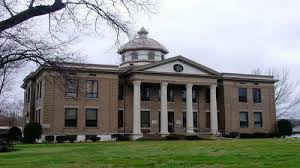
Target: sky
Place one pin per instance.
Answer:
(229, 36)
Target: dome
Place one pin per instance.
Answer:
(142, 42)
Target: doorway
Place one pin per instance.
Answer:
(171, 122)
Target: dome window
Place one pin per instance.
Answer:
(134, 56)
(151, 55)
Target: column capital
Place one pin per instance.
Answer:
(164, 83)
(137, 82)
(213, 85)
(189, 85)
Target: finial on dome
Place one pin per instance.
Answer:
(142, 32)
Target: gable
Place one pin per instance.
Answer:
(169, 68)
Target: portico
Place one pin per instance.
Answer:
(164, 105)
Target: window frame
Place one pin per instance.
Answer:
(94, 122)
(70, 120)
(243, 98)
(120, 119)
(244, 124)
(68, 93)
(256, 95)
(145, 93)
(258, 122)
(170, 97)
(145, 124)
(94, 94)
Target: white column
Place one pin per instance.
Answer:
(213, 110)
(137, 107)
(163, 108)
(189, 108)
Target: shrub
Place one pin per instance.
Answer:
(49, 138)
(175, 137)
(121, 137)
(71, 138)
(192, 137)
(61, 139)
(285, 127)
(32, 132)
(4, 146)
(14, 134)
(93, 138)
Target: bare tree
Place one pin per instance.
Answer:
(287, 91)
(20, 39)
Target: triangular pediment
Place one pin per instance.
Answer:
(180, 65)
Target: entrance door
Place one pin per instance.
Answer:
(171, 122)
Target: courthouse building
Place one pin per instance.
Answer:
(148, 94)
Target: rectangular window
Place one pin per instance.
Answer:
(38, 116)
(121, 92)
(256, 95)
(145, 119)
(71, 117)
(145, 95)
(195, 119)
(28, 94)
(120, 118)
(91, 117)
(242, 94)
(92, 88)
(171, 94)
(184, 119)
(208, 120)
(244, 120)
(258, 120)
(183, 94)
(195, 95)
(207, 95)
(71, 88)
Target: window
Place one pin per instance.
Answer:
(183, 95)
(151, 55)
(71, 117)
(244, 119)
(71, 88)
(195, 119)
(120, 119)
(242, 94)
(92, 88)
(37, 116)
(39, 90)
(208, 120)
(91, 117)
(127, 58)
(28, 93)
(171, 94)
(143, 55)
(258, 120)
(145, 119)
(145, 95)
(121, 92)
(194, 95)
(134, 56)
(256, 95)
(207, 95)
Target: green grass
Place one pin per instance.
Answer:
(256, 153)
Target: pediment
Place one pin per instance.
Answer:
(179, 65)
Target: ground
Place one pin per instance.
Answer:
(207, 154)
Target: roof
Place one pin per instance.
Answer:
(142, 42)
(178, 58)
(251, 77)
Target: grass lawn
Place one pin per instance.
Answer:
(256, 153)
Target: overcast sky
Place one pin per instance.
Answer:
(228, 36)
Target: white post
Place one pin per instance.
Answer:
(189, 108)
(137, 107)
(213, 110)
(164, 108)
